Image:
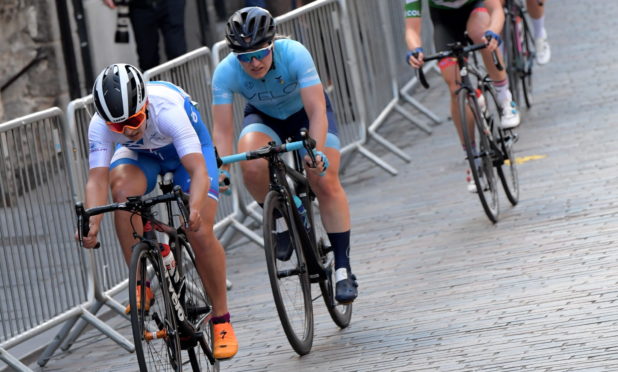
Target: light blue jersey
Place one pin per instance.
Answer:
(278, 93)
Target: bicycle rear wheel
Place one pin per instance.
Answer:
(157, 345)
(505, 162)
(199, 311)
(528, 53)
(340, 313)
(479, 153)
(289, 277)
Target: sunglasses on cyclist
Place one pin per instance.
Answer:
(133, 122)
(260, 54)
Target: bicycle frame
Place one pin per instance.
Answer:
(143, 207)
(279, 171)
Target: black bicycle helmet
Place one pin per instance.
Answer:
(119, 92)
(248, 28)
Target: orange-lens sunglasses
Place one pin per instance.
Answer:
(133, 122)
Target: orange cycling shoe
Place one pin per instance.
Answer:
(150, 299)
(226, 344)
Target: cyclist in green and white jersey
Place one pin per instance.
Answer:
(483, 20)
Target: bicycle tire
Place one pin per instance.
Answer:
(198, 310)
(512, 56)
(528, 53)
(289, 279)
(506, 138)
(479, 154)
(163, 352)
(341, 314)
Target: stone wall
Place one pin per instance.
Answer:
(30, 75)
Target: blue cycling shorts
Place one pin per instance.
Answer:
(278, 130)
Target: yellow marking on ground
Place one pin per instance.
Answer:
(523, 159)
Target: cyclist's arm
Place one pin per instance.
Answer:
(496, 12)
(413, 33)
(97, 188)
(223, 130)
(315, 107)
(195, 165)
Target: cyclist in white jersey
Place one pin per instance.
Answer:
(142, 130)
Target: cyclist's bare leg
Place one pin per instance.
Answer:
(536, 8)
(450, 74)
(255, 172)
(478, 23)
(334, 208)
(210, 258)
(127, 180)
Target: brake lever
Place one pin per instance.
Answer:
(309, 145)
(184, 212)
(83, 224)
(421, 77)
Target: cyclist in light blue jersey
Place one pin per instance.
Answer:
(278, 78)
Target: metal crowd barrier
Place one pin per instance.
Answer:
(43, 270)
(108, 271)
(373, 39)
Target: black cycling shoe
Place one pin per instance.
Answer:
(284, 248)
(346, 290)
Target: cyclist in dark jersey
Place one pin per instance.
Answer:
(278, 78)
(483, 20)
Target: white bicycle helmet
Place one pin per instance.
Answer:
(119, 92)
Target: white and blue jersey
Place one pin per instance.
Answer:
(174, 129)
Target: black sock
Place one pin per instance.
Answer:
(341, 248)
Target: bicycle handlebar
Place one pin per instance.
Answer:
(307, 143)
(456, 50)
(133, 204)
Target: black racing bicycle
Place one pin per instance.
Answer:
(175, 319)
(489, 148)
(296, 246)
(519, 51)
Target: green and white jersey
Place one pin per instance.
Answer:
(413, 7)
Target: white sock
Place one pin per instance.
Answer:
(539, 27)
(341, 274)
(280, 225)
(502, 91)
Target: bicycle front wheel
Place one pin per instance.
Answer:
(478, 144)
(157, 344)
(288, 273)
(199, 312)
(340, 313)
(505, 161)
(513, 55)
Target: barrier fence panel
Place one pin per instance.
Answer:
(373, 44)
(41, 269)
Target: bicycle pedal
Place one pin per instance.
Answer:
(314, 278)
